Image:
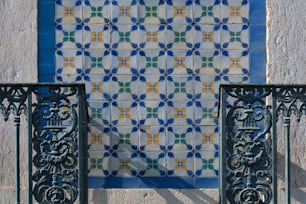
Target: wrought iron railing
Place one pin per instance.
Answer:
(56, 117)
(248, 140)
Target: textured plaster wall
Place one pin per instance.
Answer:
(286, 60)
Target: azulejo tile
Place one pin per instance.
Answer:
(179, 37)
(124, 62)
(96, 11)
(207, 62)
(207, 11)
(235, 11)
(98, 87)
(124, 12)
(179, 62)
(99, 113)
(205, 112)
(206, 163)
(205, 86)
(69, 63)
(97, 62)
(125, 87)
(180, 112)
(152, 164)
(99, 138)
(124, 113)
(152, 87)
(152, 36)
(206, 137)
(235, 36)
(180, 87)
(152, 62)
(152, 138)
(207, 37)
(152, 12)
(235, 62)
(179, 11)
(124, 138)
(68, 11)
(124, 164)
(69, 36)
(124, 37)
(96, 36)
(99, 163)
(180, 163)
(152, 113)
(180, 138)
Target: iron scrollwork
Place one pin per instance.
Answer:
(248, 138)
(55, 143)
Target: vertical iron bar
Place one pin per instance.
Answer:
(17, 168)
(222, 157)
(287, 158)
(30, 199)
(274, 145)
(82, 143)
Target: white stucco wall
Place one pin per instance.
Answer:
(286, 60)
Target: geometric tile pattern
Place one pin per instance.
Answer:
(152, 69)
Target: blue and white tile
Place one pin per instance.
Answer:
(180, 112)
(152, 12)
(179, 37)
(124, 12)
(124, 164)
(68, 11)
(206, 137)
(207, 62)
(207, 11)
(206, 164)
(124, 37)
(179, 62)
(152, 113)
(97, 12)
(125, 87)
(180, 163)
(152, 37)
(152, 87)
(99, 113)
(235, 36)
(68, 36)
(124, 138)
(180, 87)
(179, 12)
(124, 62)
(152, 62)
(152, 164)
(235, 11)
(124, 113)
(207, 37)
(180, 138)
(99, 163)
(99, 138)
(96, 36)
(98, 87)
(97, 62)
(152, 138)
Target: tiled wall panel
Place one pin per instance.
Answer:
(152, 70)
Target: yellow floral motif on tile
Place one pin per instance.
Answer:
(96, 87)
(125, 11)
(68, 11)
(125, 113)
(179, 11)
(179, 62)
(207, 36)
(152, 87)
(235, 62)
(151, 36)
(180, 163)
(235, 10)
(69, 62)
(208, 87)
(208, 138)
(180, 112)
(152, 138)
(97, 36)
(96, 138)
(124, 62)
(124, 164)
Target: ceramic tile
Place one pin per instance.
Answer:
(179, 62)
(207, 62)
(68, 11)
(179, 37)
(69, 36)
(152, 36)
(96, 11)
(235, 11)
(207, 11)
(152, 138)
(152, 87)
(99, 138)
(235, 62)
(180, 112)
(96, 36)
(124, 87)
(124, 12)
(205, 86)
(235, 36)
(180, 138)
(180, 87)
(152, 164)
(206, 138)
(69, 62)
(124, 113)
(124, 37)
(99, 163)
(152, 113)
(180, 163)
(152, 62)
(207, 37)
(179, 11)
(124, 164)
(206, 164)
(98, 87)
(124, 138)
(97, 62)
(152, 12)
(124, 62)
(99, 113)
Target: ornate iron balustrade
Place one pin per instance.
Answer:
(248, 140)
(57, 118)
